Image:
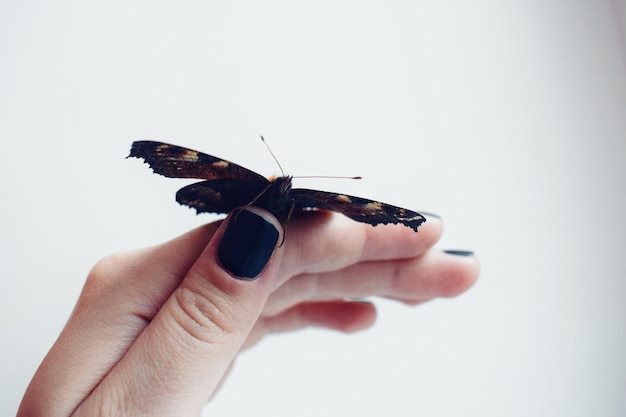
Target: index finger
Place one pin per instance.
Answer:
(325, 241)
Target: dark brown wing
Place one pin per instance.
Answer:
(221, 195)
(178, 162)
(357, 208)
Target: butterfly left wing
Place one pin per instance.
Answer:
(178, 162)
(357, 208)
(221, 195)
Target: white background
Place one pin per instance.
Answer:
(508, 118)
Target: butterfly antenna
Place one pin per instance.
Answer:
(304, 176)
(329, 176)
(273, 156)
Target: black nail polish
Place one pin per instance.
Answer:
(459, 252)
(425, 213)
(247, 244)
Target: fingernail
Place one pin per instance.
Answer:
(425, 213)
(459, 252)
(247, 244)
(359, 301)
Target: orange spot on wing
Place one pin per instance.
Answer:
(221, 164)
(343, 198)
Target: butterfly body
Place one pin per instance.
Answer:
(228, 186)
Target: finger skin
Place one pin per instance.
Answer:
(383, 260)
(344, 316)
(142, 315)
(141, 337)
(180, 357)
(323, 241)
(412, 281)
(120, 297)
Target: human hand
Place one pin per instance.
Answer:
(155, 330)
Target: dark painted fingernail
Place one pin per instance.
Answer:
(247, 244)
(459, 252)
(425, 213)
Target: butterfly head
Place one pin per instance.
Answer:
(279, 185)
(277, 198)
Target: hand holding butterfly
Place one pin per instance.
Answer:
(155, 330)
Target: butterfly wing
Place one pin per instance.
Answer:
(229, 186)
(357, 208)
(178, 162)
(220, 195)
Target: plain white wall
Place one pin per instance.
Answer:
(508, 118)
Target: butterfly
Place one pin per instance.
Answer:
(227, 186)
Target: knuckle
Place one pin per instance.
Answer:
(208, 319)
(104, 274)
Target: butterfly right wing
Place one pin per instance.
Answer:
(357, 208)
(178, 162)
(220, 195)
